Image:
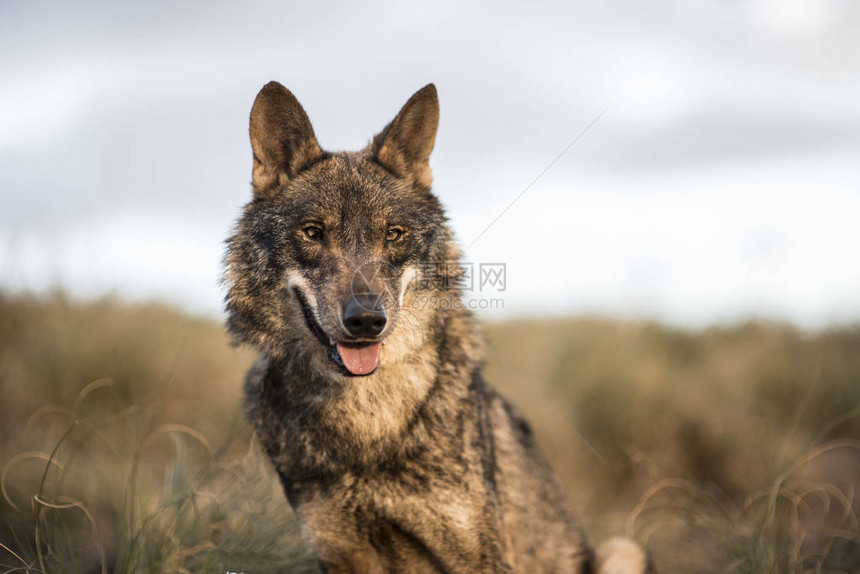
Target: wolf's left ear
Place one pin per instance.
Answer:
(404, 146)
(282, 139)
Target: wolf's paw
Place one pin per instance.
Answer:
(622, 556)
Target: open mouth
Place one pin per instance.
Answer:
(358, 358)
(354, 358)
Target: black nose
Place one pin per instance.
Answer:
(364, 315)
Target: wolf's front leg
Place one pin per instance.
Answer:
(350, 560)
(391, 549)
(405, 537)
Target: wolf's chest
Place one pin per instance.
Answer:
(432, 521)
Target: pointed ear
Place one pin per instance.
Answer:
(282, 139)
(404, 146)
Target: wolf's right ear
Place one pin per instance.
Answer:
(282, 139)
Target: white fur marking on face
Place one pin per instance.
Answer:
(295, 279)
(409, 275)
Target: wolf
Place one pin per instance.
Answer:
(392, 449)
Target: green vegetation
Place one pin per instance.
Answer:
(123, 448)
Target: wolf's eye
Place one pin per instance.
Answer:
(393, 233)
(313, 232)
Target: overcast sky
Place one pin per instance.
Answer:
(722, 182)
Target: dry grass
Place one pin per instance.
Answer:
(123, 448)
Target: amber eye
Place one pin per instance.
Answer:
(313, 232)
(393, 233)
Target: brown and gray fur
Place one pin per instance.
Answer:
(419, 466)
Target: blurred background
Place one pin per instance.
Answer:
(680, 318)
(721, 183)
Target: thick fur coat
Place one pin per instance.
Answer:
(394, 452)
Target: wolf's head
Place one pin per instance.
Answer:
(327, 258)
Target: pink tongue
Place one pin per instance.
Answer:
(360, 360)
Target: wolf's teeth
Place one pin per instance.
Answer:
(331, 341)
(383, 342)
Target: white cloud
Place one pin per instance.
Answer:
(141, 255)
(36, 107)
(720, 183)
